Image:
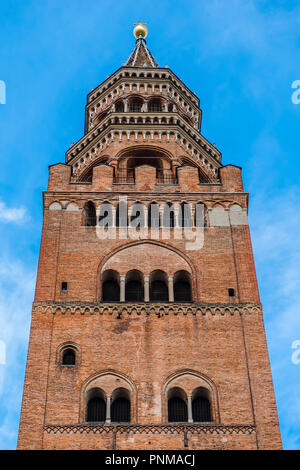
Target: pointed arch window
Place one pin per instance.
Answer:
(177, 406)
(96, 406)
(120, 407)
(201, 408)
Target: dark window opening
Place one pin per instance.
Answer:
(231, 292)
(64, 286)
(96, 410)
(177, 410)
(182, 291)
(134, 291)
(110, 291)
(201, 410)
(120, 410)
(89, 215)
(69, 357)
(159, 292)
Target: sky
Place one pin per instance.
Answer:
(241, 58)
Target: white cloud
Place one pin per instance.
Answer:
(12, 214)
(16, 295)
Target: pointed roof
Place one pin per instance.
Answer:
(141, 56)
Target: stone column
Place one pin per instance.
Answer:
(122, 288)
(107, 421)
(146, 289)
(190, 413)
(171, 288)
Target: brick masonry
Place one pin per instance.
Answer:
(216, 341)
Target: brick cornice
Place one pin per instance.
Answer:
(119, 309)
(151, 429)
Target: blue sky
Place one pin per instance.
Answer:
(240, 57)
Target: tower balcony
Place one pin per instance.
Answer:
(163, 176)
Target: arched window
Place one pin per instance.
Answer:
(135, 105)
(89, 214)
(182, 287)
(153, 215)
(120, 406)
(201, 408)
(134, 286)
(159, 287)
(169, 215)
(119, 107)
(177, 406)
(154, 105)
(110, 286)
(96, 406)
(185, 216)
(68, 357)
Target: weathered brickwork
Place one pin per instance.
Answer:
(214, 341)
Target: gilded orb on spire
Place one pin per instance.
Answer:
(140, 30)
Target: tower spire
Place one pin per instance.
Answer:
(141, 56)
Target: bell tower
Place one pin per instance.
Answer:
(147, 329)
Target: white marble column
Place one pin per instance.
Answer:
(171, 288)
(146, 289)
(190, 413)
(107, 421)
(122, 288)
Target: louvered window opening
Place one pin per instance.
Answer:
(177, 410)
(110, 291)
(182, 291)
(69, 357)
(134, 291)
(201, 410)
(96, 410)
(120, 411)
(159, 292)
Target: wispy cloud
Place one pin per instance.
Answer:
(16, 294)
(275, 231)
(12, 214)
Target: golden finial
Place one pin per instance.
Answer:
(140, 30)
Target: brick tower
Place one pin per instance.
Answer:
(147, 329)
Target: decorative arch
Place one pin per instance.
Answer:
(190, 380)
(64, 347)
(106, 381)
(103, 265)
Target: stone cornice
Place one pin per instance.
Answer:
(160, 310)
(107, 125)
(151, 429)
(120, 73)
